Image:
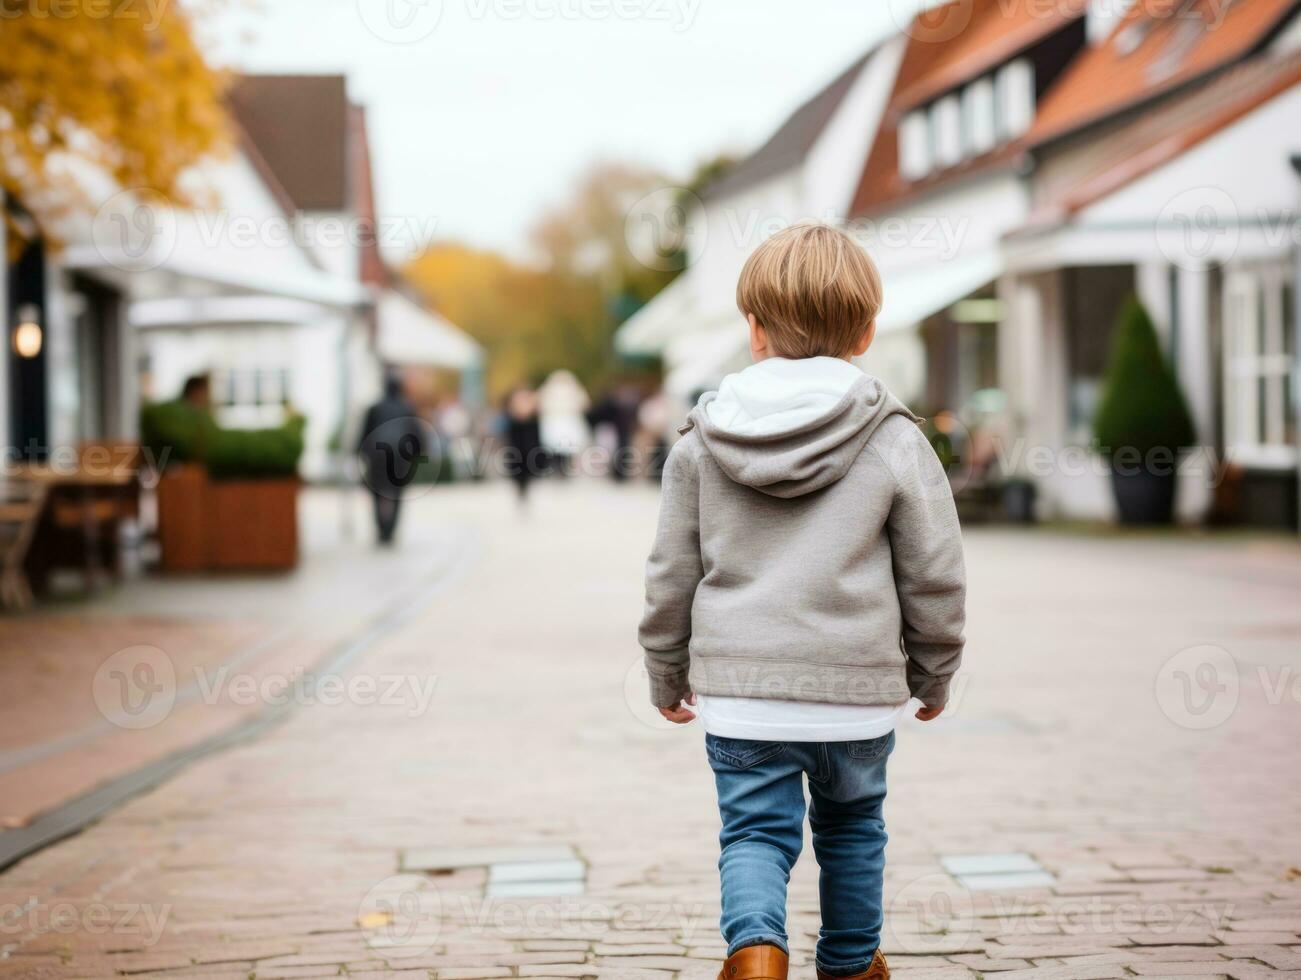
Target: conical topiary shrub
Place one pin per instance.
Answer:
(1142, 423)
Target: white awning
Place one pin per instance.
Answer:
(154, 275)
(700, 361)
(912, 296)
(648, 331)
(409, 334)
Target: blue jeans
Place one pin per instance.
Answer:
(761, 800)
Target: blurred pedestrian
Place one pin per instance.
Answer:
(455, 424)
(524, 454)
(614, 418)
(197, 392)
(651, 441)
(392, 447)
(562, 404)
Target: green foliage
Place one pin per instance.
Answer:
(1142, 407)
(256, 453)
(178, 432)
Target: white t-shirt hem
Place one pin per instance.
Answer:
(765, 720)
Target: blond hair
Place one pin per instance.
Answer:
(813, 289)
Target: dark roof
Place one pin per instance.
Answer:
(788, 147)
(299, 124)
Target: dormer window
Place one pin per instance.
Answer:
(978, 131)
(1014, 93)
(969, 122)
(946, 131)
(914, 146)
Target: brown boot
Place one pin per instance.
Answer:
(755, 963)
(877, 971)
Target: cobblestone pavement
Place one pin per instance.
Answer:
(1126, 723)
(57, 668)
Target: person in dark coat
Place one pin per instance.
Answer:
(392, 447)
(523, 437)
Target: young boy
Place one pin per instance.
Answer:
(805, 582)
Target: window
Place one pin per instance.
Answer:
(1014, 96)
(978, 117)
(1259, 347)
(250, 397)
(946, 129)
(914, 146)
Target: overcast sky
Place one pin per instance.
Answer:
(484, 112)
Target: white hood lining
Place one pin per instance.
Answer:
(780, 395)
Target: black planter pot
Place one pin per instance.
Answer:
(1018, 501)
(1143, 497)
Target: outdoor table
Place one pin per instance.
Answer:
(87, 488)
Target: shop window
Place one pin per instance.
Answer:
(1259, 352)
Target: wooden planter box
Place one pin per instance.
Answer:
(182, 519)
(254, 524)
(226, 525)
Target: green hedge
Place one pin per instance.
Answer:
(1142, 407)
(177, 432)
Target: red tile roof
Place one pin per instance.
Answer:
(948, 46)
(1159, 45)
(954, 43)
(1155, 137)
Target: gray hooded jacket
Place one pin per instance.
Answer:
(822, 562)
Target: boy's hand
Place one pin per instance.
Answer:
(929, 714)
(680, 715)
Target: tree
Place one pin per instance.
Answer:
(119, 88)
(588, 234)
(563, 310)
(1142, 408)
(529, 320)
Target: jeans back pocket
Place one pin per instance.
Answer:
(740, 753)
(870, 749)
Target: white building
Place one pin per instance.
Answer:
(808, 169)
(945, 181)
(1166, 166)
(275, 288)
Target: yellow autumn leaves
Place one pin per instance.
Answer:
(114, 86)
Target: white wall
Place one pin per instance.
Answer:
(967, 218)
(1240, 179)
(62, 391)
(5, 342)
(834, 166)
(735, 226)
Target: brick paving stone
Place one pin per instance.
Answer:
(1165, 841)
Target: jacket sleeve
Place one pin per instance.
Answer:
(929, 573)
(673, 571)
